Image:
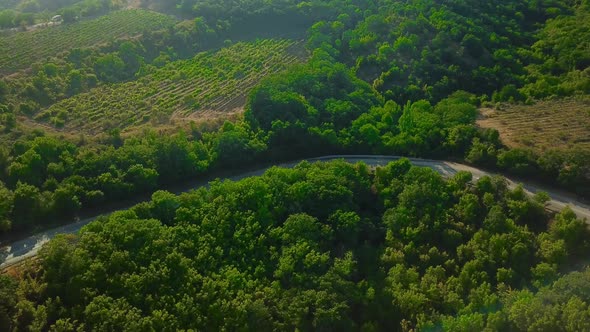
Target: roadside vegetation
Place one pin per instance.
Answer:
(47, 178)
(330, 246)
(320, 247)
(320, 107)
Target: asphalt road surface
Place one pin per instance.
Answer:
(20, 250)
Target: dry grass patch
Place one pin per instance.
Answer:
(556, 124)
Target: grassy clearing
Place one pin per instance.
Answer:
(20, 50)
(559, 124)
(206, 86)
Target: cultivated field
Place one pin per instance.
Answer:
(210, 84)
(560, 124)
(20, 50)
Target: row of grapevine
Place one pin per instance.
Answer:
(20, 50)
(210, 82)
(561, 124)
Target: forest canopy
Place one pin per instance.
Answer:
(324, 246)
(348, 98)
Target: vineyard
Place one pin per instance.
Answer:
(20, 50)
(207, 85)
(550, 124)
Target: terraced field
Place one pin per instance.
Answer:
(210, 84)
(20, 50)
(560, 124)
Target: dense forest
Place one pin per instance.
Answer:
(323, 246)
(324, 109)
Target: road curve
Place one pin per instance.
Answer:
(20, 250)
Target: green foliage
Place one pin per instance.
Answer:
(560, 306)
(320, 247)
(209, 82)
(415, 53)
(559, 64)
(325, 104)
(22, 49)
(311, 248)
(27, 203)
(426, 50)
(8, 299)
(48, 178)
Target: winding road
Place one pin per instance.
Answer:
(20, 250)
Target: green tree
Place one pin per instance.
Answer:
(110, 68)
(70, 15)
(27, 205)
(8, 300)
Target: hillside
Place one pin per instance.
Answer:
(98, 112)
(546, 125)
(22, 49)
(362, 89)
(207, 86)
(27, 15)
